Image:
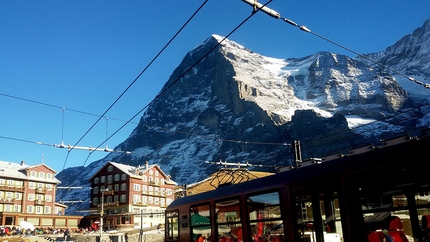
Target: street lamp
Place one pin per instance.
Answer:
(102, 211)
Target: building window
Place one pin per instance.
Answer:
(49, 175)
(144, 179)
(96, 180)
(8, 207)
(151, 172)
(115, 198)
(17, 208)
(123, 198)
(123, 177)
(47, 210)
(30, 209)
(110, 188)
(109, 199)
(95, 201)
(116, 177)
(136, 187)
(39, 209)
(156, 180)
(95, 190)
(18, 196)
(163, 182)
(49, 187)
(136, 199)
(102, 179)
(110, 168)
(33, 173)
(48, 198)
(109, 179)
(31, 197)
(123, 187)
(32, 185)
(41, 175)
(116, 187)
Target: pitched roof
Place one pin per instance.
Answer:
(19, 171)
(131, 170)
(225, 176)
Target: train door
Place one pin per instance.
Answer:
(318, 217)
(171, 226)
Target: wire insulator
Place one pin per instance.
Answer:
(263, 8)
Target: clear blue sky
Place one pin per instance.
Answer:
(81, 55)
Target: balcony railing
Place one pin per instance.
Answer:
(7, 200)
(11, 188)
(40, 190)
(136, 203)
(153, 183)
(39, 202)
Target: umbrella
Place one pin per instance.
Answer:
(26, 225)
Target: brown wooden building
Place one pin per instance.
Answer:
(128, 196)
(28, 193)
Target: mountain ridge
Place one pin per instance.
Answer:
(240, 106)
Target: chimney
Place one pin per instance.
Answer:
(146, 165)
(22, 163)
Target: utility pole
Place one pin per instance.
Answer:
(102, 211)
(141, 224)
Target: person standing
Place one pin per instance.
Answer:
(66, 234)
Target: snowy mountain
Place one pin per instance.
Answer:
(235, 105)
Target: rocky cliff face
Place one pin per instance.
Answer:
(238, 106)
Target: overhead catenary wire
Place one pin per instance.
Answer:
(89, 148)
(186, 71)
(135, 79)
(276, 15)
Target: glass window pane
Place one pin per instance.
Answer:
(229, 226)
(172, 219)
(265, 217)
(200, 223)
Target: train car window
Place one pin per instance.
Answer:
(228, 221)
(171, 229)
(265, 217)
(318, 217)
(200, 223)
(396, 212)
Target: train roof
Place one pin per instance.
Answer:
(400, 150)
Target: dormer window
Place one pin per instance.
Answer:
(110, 168)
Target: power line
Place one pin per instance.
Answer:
(276, 15)
(138, 76)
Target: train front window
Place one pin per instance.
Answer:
(318, 217)
(171, 232)
(228, 220)
(200, 223)
(265, 217)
